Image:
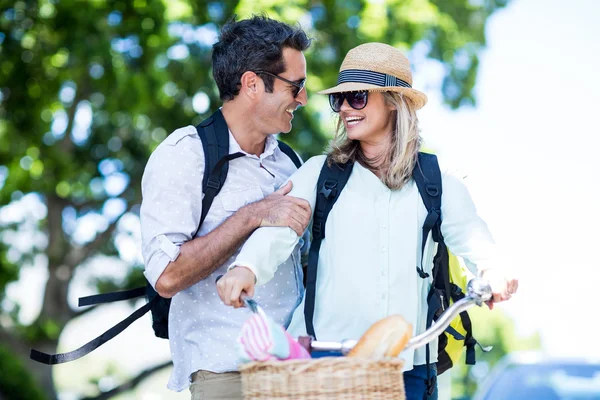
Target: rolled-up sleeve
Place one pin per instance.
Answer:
(171, 199)
(465, 232)
(269, 247)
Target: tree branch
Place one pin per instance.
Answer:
(57, 244)
(81, 93)
(10, 340)
(80, 254)
(92, 204)
(131, 384)
(66, 144)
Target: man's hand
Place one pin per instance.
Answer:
(278, 209)
(502, 287)
(233, 283)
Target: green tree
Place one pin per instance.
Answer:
(89, 89)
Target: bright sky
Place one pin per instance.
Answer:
(529, 150)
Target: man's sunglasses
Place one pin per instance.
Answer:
(356, 100)
(298, 86)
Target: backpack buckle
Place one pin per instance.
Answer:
(431, 385)
(213, 184)
(329, 189)
(456, 291)
(432, 190)
(317, 229)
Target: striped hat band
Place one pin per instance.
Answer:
(370, 77)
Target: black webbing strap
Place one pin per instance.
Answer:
(332, 180)
(431, 381)
(470, 341)
(214, 135)
(112, 297)
(454, 333)
(442, 277)
(428, 179)
(433, 304)
(287, 150)
(212, 151)
(52, 359)
(215, 183)
(457, 294)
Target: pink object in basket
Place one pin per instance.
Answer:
(262, 339)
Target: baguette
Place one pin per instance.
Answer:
(385, 338)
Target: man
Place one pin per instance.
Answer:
(260, 71)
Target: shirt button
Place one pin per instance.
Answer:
(383, 249)
(384, 296)
(383, 272)
(384, 226)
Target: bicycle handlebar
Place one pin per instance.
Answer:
(478, 292)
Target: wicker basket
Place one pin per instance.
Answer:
(327, 378)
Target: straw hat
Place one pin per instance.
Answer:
(377, 67)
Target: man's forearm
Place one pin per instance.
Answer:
(201, 256)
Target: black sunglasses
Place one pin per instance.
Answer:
(356, 100)
(297, 86)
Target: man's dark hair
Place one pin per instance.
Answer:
(252, 44)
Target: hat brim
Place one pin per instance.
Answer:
(418, 98)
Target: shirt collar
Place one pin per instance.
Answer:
(270, 145)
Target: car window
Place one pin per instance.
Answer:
(547, 382)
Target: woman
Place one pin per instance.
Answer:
(373, 233)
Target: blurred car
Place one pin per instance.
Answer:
(520, 376)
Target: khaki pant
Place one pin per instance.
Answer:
(208, 385)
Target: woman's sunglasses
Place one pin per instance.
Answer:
(356, 100)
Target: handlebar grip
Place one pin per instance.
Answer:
(243, 296)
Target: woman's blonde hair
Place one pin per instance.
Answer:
(398, 162)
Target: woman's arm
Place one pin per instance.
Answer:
(268, 247)
(468, 236)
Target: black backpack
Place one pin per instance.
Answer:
(428, 179)
(215, 141)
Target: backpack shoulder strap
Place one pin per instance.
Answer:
(288, 151)
(428, 179)
(214, 135)
(332, 180)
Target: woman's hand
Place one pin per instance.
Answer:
(233, 283)
(503, 287)
(279, 209)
